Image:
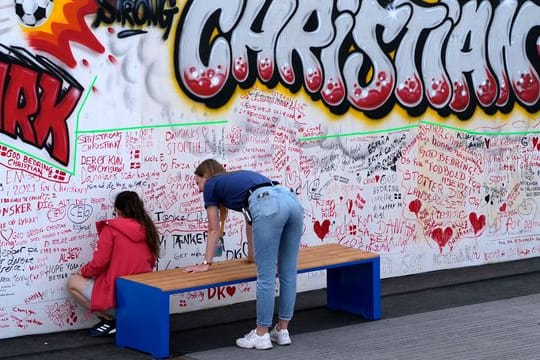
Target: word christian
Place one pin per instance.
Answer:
(451, 56)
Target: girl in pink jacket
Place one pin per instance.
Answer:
(127, 244)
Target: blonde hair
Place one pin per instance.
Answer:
(209, 168)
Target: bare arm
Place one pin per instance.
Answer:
(212, 213)
(213, 232)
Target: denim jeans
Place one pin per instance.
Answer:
(278, 222)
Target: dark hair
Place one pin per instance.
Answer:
(209, 168)
(131, 206)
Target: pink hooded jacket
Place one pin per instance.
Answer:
(121, 250)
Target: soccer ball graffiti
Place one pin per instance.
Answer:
(33, 12)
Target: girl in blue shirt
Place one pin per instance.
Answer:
(274, 225)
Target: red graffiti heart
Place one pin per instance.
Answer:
(535, 142)
(230, 290)
(503, 207)
(441, 237)
(415, 206)
(321, 229)
(377, 178)
(477, 222)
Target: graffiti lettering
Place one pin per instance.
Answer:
(36, 104)
(16, 209)
(362, 54)
(189, 239)
(137, 13)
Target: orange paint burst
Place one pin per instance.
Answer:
(65, 25)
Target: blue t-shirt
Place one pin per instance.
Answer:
(231, 189)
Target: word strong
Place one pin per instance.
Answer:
(36, 100)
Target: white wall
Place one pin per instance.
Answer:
(423, 149)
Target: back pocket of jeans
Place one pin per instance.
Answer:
(264, 206)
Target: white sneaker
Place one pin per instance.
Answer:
(280, 337)
(253, 341)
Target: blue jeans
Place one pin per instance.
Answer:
(278, 222)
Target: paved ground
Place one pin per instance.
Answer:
(501, 329)
(495, 318)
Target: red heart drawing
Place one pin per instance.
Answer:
(321, 230)
(230, 290)
(377, 177)
(503, 207)
(535, 142)
(415, 206)
(477, 222)
(441, 237)
(6, 234)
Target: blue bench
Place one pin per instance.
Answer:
(142, 314)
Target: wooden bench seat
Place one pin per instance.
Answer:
(142, 314)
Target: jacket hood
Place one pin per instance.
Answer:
(130, 228)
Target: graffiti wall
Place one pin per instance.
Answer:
(407, 128)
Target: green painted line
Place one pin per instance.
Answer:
(219, 122)
(483, 133)
(322, 137)
(421, 122)
(85, 99)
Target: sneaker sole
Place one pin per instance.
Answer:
(102, 334)
(283, 343)
(263, 348)
(254, 347)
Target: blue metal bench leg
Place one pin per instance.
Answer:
(142, 318)
(356, 289)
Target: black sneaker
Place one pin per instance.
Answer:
(101, 322)
(104, 328)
